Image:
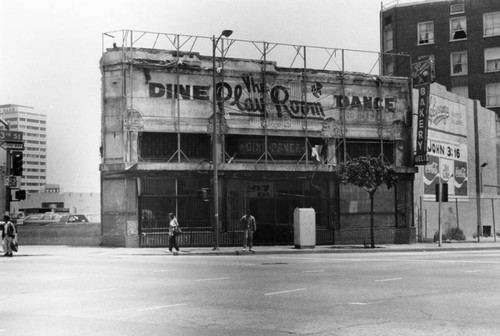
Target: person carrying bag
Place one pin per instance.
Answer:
(173, 231)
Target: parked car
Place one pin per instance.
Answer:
(42, 219)
(73, 219)
(94, 218)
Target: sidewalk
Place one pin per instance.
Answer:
(420, 247)
(46, 250)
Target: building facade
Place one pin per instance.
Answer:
(461, 36)
(280, 134)
(33, 124)
(461, 151)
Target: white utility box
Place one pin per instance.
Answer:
(304, 228)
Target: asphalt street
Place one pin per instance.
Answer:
(106, 292)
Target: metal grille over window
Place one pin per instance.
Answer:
(457, 8)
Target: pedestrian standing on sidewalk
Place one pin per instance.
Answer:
(249, 227)
(173, 232)
(2, 227)
(10, 234)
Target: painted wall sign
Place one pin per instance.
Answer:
(447, 116)
(260, 189)
(447, 160)
(422, 125)
(287, 100)
(447, 150)
(248, 97)
(278, 148)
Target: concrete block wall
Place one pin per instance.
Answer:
(385, 235)
(71, 234)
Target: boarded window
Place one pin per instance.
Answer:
(368, 148)
(164, 146)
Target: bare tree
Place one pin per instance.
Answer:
(369, 174)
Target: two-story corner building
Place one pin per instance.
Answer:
(280, 134)
(462, 36)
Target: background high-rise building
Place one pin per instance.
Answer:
(33, 124)
(463, 37)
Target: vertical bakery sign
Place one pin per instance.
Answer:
(446, 160)
(421, 157)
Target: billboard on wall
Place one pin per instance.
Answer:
(446, 147)
(448, 161)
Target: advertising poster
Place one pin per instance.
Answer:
(447, 160)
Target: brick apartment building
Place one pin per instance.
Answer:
(463, 37)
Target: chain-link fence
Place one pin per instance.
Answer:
(459, 219)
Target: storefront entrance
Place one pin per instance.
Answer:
(272, 203)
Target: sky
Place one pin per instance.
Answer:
(50, 51)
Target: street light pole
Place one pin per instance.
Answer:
(7, 171)
(215, 180)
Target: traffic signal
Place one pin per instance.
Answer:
(17, 164)
(21, 194)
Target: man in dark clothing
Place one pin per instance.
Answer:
(249, 227)
(9, 231)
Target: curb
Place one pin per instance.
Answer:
(338, 250)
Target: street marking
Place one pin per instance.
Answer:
(361, 303)
(161, 307)
(392, 279)
(98, 290)
(213, 279)
(441, 261)
(287, 291)
(160, 271)
(313, 271)
(59, 278)
(474, 271)
(384, 266)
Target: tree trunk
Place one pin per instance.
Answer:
(372, 223)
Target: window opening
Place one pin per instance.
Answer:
(355, 148)
(492, 59)
(388, 40)
(459, 63)
(493, 95)
(458, 28)
(426, 32)
(491, 22)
